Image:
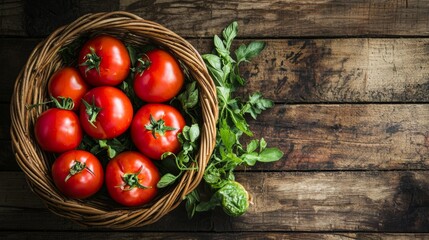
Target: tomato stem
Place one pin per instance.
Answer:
(158, 127)
(131, 180)
(60, 102)
(92, 61)
(77, 168)
(92, 111)
(143, 64)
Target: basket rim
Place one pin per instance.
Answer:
(28, 89)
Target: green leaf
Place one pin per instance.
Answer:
(212, 175)
(228, 137)
(229, 33)
(213, 61)
(252, 146)
(234, 199)
(256, 104)
(189, 97)
(194, 132)
(245, 53)
(240, 122)
(262, 145)
(133, 54)
(166, 180)
(224, 94)
(192, 199)
(207, 206)
(220, 47)
(240, 53)
(214, 65)
(250, 158)
(270, 155)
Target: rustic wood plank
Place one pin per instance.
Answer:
(310, 70)
(342, 70)
(43, 17)
(210, 235)
(256, 18)
(354, 201)
(5, 122)
(288, 18)
(333, 137)
(33, 19)
(7, 158)
(386, 201)
(15, 52)
(367, 136)
(12, 18)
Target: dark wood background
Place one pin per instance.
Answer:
(350, 80)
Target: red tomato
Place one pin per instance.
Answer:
(158, 135)
(77, 174)
(161, 78)
(109, 115)
(131, 179)
(67, 82)
(58, 130)
(104, 60)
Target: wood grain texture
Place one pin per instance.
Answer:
(334, 137)
(288, 18)
(210, 235)
(345, 137)
(29, 18)
(311, 70)
(341, 70)
(256, 18)
(14, 55)
(393, 201)
(12, 18)
(353, 201)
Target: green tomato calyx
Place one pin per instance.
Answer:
(131, 180)
(158, 127)
(92, 61)
(76, 168)
(92, 111)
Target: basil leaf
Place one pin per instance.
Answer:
(194, 132)
(270, 155)
(167, 180)
(252, 146)
(245, 53)
(229, 33)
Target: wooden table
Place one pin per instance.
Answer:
(350, 80)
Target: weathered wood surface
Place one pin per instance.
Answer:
(350, 81)
(199, 18)
(34, 235)
(393, 201)
(334, 137)
(310, 70)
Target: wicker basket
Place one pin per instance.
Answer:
(30, 88)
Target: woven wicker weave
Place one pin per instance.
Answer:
(30, 88)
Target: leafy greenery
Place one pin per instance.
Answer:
(229, 153)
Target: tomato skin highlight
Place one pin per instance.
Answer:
(161, 80)
(58, 130)
(83, 184)
(131, 162)
(67, 82)
(114, 61)
(144, 139)
(114, 117)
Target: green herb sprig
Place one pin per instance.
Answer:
(229, 153)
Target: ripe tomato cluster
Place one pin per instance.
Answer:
(89, 103)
